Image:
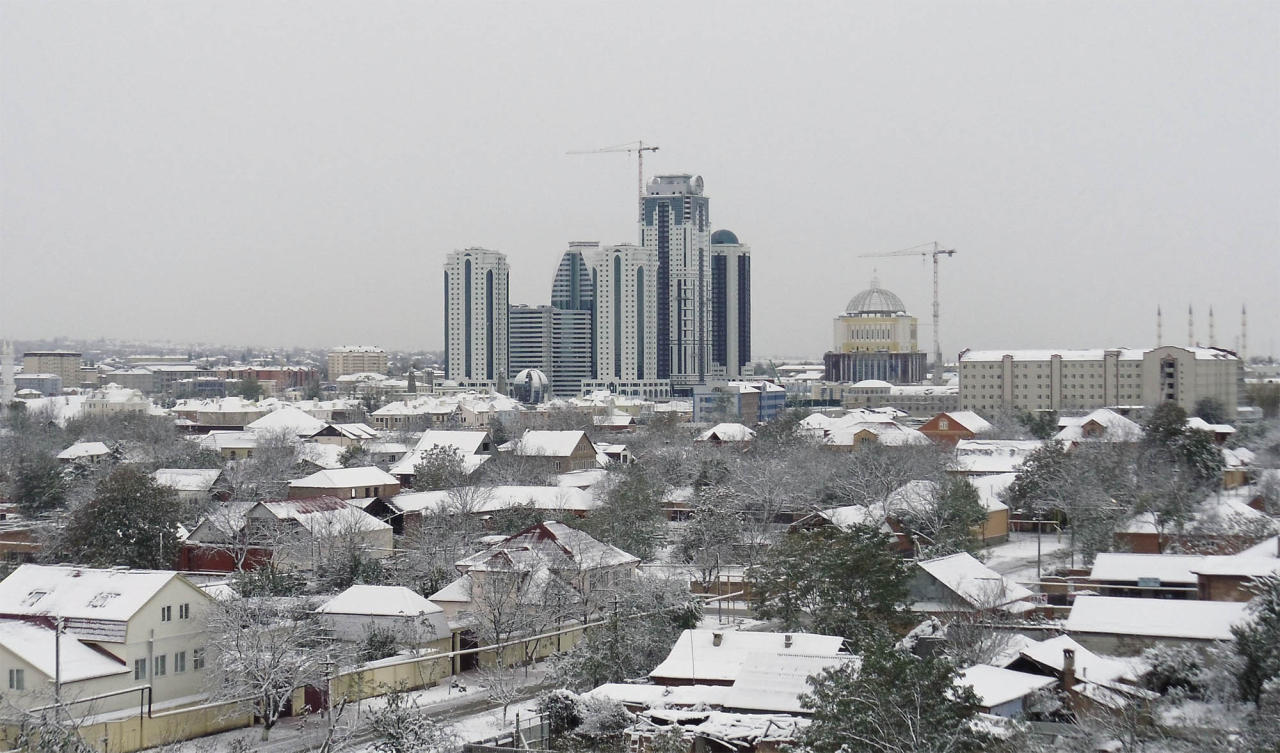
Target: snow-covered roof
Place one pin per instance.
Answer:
(457, 591)
(1124, 567)
(546, 443)
(774, 682)
(229, 440)
(359, 431)
(84, 450)
(695, 655)
(380, 601)
(660, 696)
(1115, 427)
(288, 419)
(970, 420)
(550, 544)
(1223, 511)
(35, 644)
(1199, 424)
(991, 487)
(727, 432)
(987, 456)
(322, 454)
(1089, 666)
(80, 592)
(467, 444)
(324, 516)
(1156, 618)
(975, 583)
(582, 479)
(995, 686)
(480, 500)
(345, 478)
(187, 479)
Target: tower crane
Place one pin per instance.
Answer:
(639, 148)
(923, 250)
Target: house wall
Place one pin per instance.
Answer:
(943, 428)
(996, 527)
(150, 636)
(385, 491)
(409, 631)
(1224, 588)
(38, 688)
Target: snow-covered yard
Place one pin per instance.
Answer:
(1016, 558)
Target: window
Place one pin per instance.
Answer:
(140, 669)
(197, 659)
(179, 662)
(166, 614)
(16, 679)
(184, 611)
(157, 666)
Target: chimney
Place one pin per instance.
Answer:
(786, 641)
(1068, 671)
(717, 639)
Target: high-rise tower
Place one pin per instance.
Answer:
(676, 227)
(730, 303)
(571, 290)
(626, 321)
(476, 305)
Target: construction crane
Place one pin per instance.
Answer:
(639, 147)
(923, 250)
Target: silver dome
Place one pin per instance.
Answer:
(875, 300)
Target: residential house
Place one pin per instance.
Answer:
(474, 447)
(230, 445)
(1146, 576)
(196, 487)
(346, 435)
(408, 509)
(959, 583)
(288, 420)
(727, 433)
(1117, 625)
(1221, 523)
(950, 427)
(1003, 692)
(1103, 425)
(124, 630)
(720, 657)
(982, 457)
(365, 482)
(414, 621)
(86, 453)
(113, 399)
(562, 451)
(1087, 680)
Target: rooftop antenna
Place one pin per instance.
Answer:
(1191, 327)
(923, 250)
(1159, 327)
(1212, 340)
(1244, 342)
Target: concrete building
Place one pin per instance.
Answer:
(875, 338)
(1074, 380)
(750, 402)
(730, 303)
(476, 304)
(64, 363)
(356, 359)
(627, 335)
(46, 384)
(555, 341)
(676, 227)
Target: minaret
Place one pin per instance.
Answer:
(1212, 340)
(7, 386)
(1159, 327)
(1191, 327)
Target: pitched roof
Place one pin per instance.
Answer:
(479, 500)
(289, 419)
(80, 592)
(323, 516)
(549, 544)
(84, 450)
(727, 432)
(383, 601)
(975, 583)
(774, 681)
(1127, 567)
(187, 479)
(1089, 666)
(467, 443)
(970, 420)
(1156, 618)
(995, 686)
(696, 657)
(35, 644)
(345, 478)
(548, 443)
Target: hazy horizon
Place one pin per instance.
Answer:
(296, 174)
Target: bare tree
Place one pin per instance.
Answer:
(261, 650)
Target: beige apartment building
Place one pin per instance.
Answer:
(64, 363)
(356, 359)
(1081, 380)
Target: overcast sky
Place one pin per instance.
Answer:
(294, 173)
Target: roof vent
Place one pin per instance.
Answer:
(786, 641)
(717, 639)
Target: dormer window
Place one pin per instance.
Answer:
(102, 599)
(33, 597)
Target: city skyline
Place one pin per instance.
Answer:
(1081, 190)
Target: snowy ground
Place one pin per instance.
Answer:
(1016, 558)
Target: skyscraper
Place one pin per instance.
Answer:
(626, 321)
(676, 227)
(730, 303)
(475, 313)
(571, 289)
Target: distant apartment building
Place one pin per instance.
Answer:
(476, 306)
(356, 359)
(627, 340)
(1077, 380)
(572, 288)
(45, 384)
(749, 402)
(875, 338)
(730, 303)
(64, 363)
(676, 227)
(556, 342)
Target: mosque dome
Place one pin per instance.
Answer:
(724, 237)
(534, 378)
(876, 301)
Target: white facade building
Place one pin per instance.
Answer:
(626, 323)
(1077, 380)
(356, 359)
(475, 309)
(676, 226)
